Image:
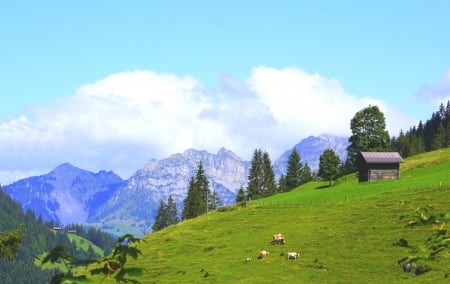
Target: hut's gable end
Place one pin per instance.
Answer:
(378, 165)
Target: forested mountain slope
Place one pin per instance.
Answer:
(38, 238)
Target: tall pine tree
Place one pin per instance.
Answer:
(270, 186)
(255, 181)
(172, 211)
(261, 178)
(202, 183)
(293, 171)
(241, 196)
(214, 201)
(306, 174)
(162, 217)
(194, 205)
(197, 201)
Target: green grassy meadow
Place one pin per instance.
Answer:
(344, 234)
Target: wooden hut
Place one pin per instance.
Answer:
(378, 165)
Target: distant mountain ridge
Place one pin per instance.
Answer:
(138, 200)
(69, 194)
(65, 195)
(311, 148)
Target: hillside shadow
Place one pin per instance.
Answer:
(324, 186)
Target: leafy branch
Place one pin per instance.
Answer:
(10, 242)
(437, 245)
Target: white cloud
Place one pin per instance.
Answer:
(122, 121)
(437, 92)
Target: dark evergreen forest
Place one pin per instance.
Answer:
(39, 237)
(432, 135)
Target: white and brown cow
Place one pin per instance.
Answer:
(293, 255)
(278, 239)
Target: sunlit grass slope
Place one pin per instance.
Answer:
(345, 234)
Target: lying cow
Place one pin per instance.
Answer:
(263, 253)
(293, 255)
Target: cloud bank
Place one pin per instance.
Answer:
(122, 121)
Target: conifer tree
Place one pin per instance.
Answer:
(214, 201)
(255, 181)
(202, 183)
(282, 184)
(162, 217)
(261, 178)
(270, 187)
(194, 205)
(240, 197)
(439, 137)
(294, 171)
(306, 174)
(172, 211)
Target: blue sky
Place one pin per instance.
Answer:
(112, 84)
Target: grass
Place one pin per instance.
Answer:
(345, 234)
(80, 242)
(84, 244)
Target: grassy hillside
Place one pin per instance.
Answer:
(80, 242)
(345, 234)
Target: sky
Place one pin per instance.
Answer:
(109, 85)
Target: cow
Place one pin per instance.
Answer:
(278, 239)
(263, 253)
(293, 255)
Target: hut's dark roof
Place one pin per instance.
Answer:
(382, 157)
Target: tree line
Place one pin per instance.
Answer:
(432, 135)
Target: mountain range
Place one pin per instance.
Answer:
(72, 195)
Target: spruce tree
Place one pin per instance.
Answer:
(202, 183)
(294, 171)
(270, 187)
(240, 197)
(172, 211)
(255, 182)
(214, 201)
(282, 183)
(261, 178)
(439, 138)
(306, 174)
(162, 217)
(194, 205)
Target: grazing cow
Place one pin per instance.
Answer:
(263, 253)
(278, 239)
(293, 255)
(248, 259)
(277, 236)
